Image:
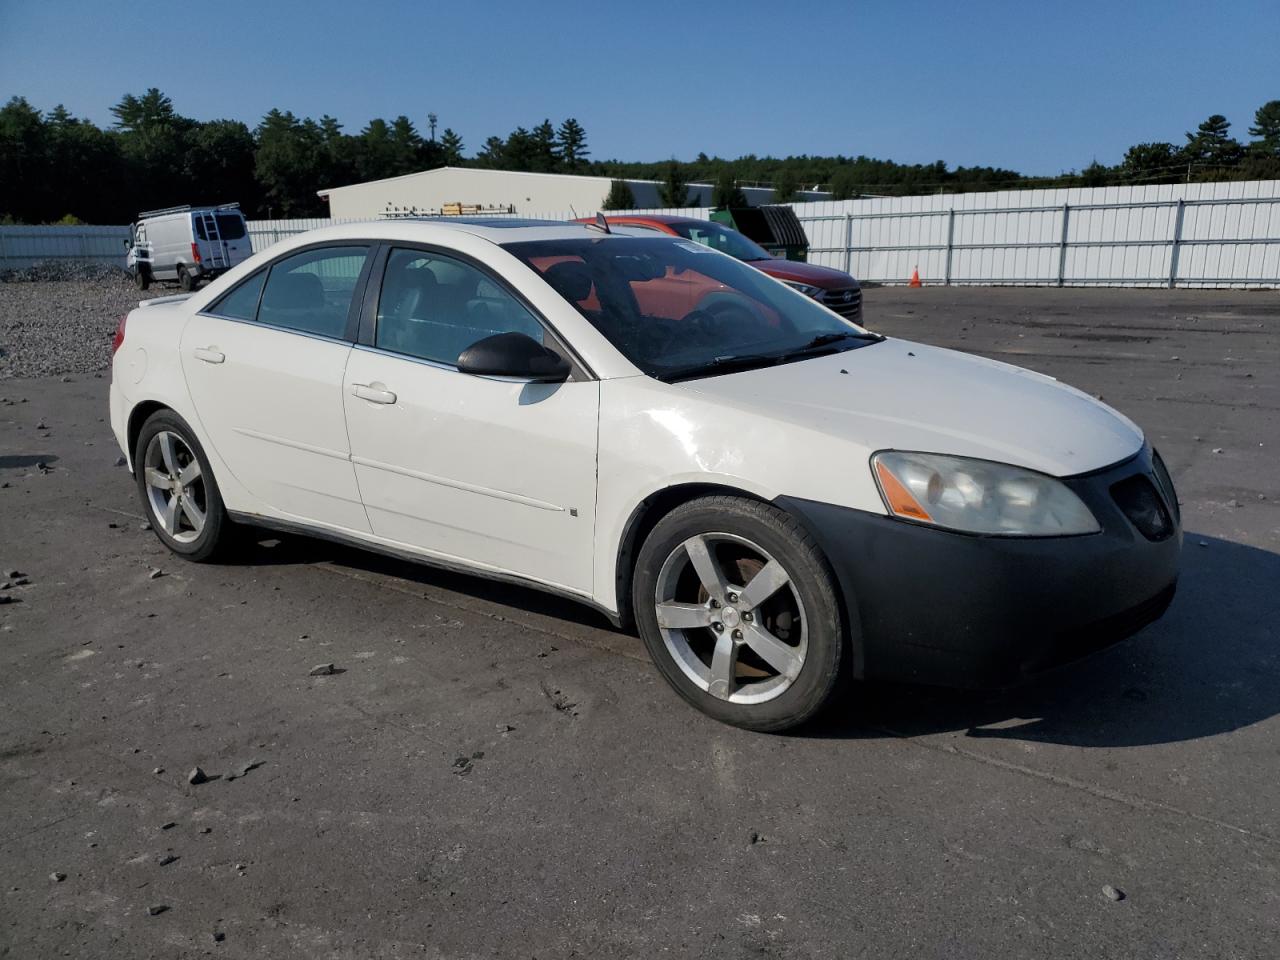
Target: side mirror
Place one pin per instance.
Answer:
(513, 355)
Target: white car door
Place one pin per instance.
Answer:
(264, 365)
(493, 472)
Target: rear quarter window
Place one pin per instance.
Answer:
(242, 302)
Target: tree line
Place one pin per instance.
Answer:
(1208, 153)
(56, 167)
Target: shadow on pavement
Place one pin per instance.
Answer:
(270, 548)
(1209, 666)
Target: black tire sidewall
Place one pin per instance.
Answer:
(783, 538)
(185, 280)
(216, 525)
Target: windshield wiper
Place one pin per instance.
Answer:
(752, 361)
(727, 364)
(824, 339)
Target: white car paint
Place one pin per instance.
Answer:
(539, 482)
(478, 469)
(270, 402)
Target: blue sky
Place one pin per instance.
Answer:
(1038, 87)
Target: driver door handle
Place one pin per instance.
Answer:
(371, 393)
(209, 355)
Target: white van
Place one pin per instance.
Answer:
(187, 244)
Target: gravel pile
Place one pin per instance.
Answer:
(50, 327)
(63, 270)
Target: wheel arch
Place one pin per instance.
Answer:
(137, 417)
(658, 504)
(644, 517)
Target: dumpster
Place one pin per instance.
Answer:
(774, 226)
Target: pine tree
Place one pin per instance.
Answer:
(409, 149)
(1266, 127)
(844, 184)
(519, 151)
(785, 186)
(135, 114)
(1211, 144)
(572, 141)
(673, 190)
(451, 145)
(544, 152)
(493, 153)
(727, 193)
(620, 197)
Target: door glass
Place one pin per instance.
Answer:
(311, 291)
(242, 302)
(434, 307)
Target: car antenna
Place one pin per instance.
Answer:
(601, 224)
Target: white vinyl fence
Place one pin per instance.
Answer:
(1185, 235)
(1178, 235)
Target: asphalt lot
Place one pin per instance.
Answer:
(495, 773)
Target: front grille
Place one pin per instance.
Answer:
(847, 301)
(1137, 498)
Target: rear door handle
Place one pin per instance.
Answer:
(371, 393)
(210, 355)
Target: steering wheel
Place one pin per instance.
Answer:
(699, 324)
(735, 311)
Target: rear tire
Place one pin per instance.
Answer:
(739, 611)
(185, 280)
(179, 493)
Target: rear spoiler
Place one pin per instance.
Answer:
(156, 301)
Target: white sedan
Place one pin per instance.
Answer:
(774, 497)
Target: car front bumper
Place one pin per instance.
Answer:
(930, 606)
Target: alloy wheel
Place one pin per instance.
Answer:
(731, 618)
(175, 487)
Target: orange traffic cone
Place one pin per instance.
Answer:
(915, 278)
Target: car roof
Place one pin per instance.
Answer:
(497, 230)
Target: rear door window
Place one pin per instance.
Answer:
(242, 302)
(311, 292)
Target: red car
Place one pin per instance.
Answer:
(834, 289)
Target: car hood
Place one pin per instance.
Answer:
(797, 272)
(908, 396)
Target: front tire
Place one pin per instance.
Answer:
(738, 609)
(142, 277)
(178, 489)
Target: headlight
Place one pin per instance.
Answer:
(808, 289)
(977, 496)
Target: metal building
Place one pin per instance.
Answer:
(459, 190)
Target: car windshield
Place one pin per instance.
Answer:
(678, 310)
(721, 238)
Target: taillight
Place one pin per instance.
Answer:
(195, 252)
(118, 339)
